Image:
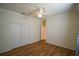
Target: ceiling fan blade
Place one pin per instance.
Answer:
(37, 12)
(30, 13)
(41, 10)
(46, 13)
(34, 11)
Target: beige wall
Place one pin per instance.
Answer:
(62, 29)
(29, 30)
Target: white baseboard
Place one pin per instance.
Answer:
(5, 51)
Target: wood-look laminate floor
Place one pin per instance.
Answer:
(36, 50)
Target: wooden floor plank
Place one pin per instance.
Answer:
(35, 49)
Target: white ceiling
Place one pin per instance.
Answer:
(51, 8)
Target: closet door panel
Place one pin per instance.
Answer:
(25, 34)
(16, 35)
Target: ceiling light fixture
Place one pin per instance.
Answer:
(40, 15)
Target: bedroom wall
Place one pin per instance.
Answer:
(62, 29)
(28, 29)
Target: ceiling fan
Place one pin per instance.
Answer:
(38, 12)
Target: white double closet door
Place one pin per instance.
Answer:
(19, 35)
(14, 35)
